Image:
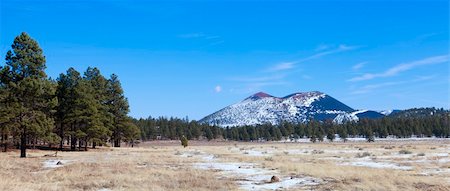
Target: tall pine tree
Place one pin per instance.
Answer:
(119, 108)
(30, 99)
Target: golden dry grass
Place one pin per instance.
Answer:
(111, 169)
(159, 166)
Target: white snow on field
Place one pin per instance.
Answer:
(362, 139)
(284, 183)
(251, 177)
(439, 154)
(444, 160)
(235, 168)
(105, 189)
(396, 156)
(54, 163)
(372, 164)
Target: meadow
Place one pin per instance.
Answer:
(166, 165)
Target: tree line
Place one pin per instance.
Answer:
(75, 110)
(163, 128)
(423, 122)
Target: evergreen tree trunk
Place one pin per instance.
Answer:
(34, 142)
(5, 142)
(61, 134)
(73, 142)
(23, 143)
(116, 142)
(85, 144)
(94, 144)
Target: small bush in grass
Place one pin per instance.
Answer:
(421, 154)
(268, 159)
(286, 152)
(317, 152)
(364, 154)
(184, 141)
(404, 152)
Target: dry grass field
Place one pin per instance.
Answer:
(399, 165)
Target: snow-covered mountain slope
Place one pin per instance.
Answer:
(263, 108)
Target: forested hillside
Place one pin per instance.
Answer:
(74, 110)
(421, 122)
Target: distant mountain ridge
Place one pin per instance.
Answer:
(298, 107)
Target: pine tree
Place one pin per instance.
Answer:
(343, 133)
(331, 134)
(30, 99)
(131, 131)
(100, 92)
(119, 108)
(65, 93)
(369, 135)
(184, 141)
(87, 115)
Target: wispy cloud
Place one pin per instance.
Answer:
(359, 65)
(402, 68)
(276, 75)
(282, 66)
(340, 48)
(371, 87)
(291, 65)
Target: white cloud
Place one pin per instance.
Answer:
(359, 65)
(402, 68)
(290, 65)
(282, 66)
(340, 48)
(371, 87)
(218, 89)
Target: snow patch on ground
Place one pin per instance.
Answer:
(363, 139)
(54, 163)
(285, 183)
(373, 164)
(251, 177)
(104, 189)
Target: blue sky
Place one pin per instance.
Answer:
(180, 58)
